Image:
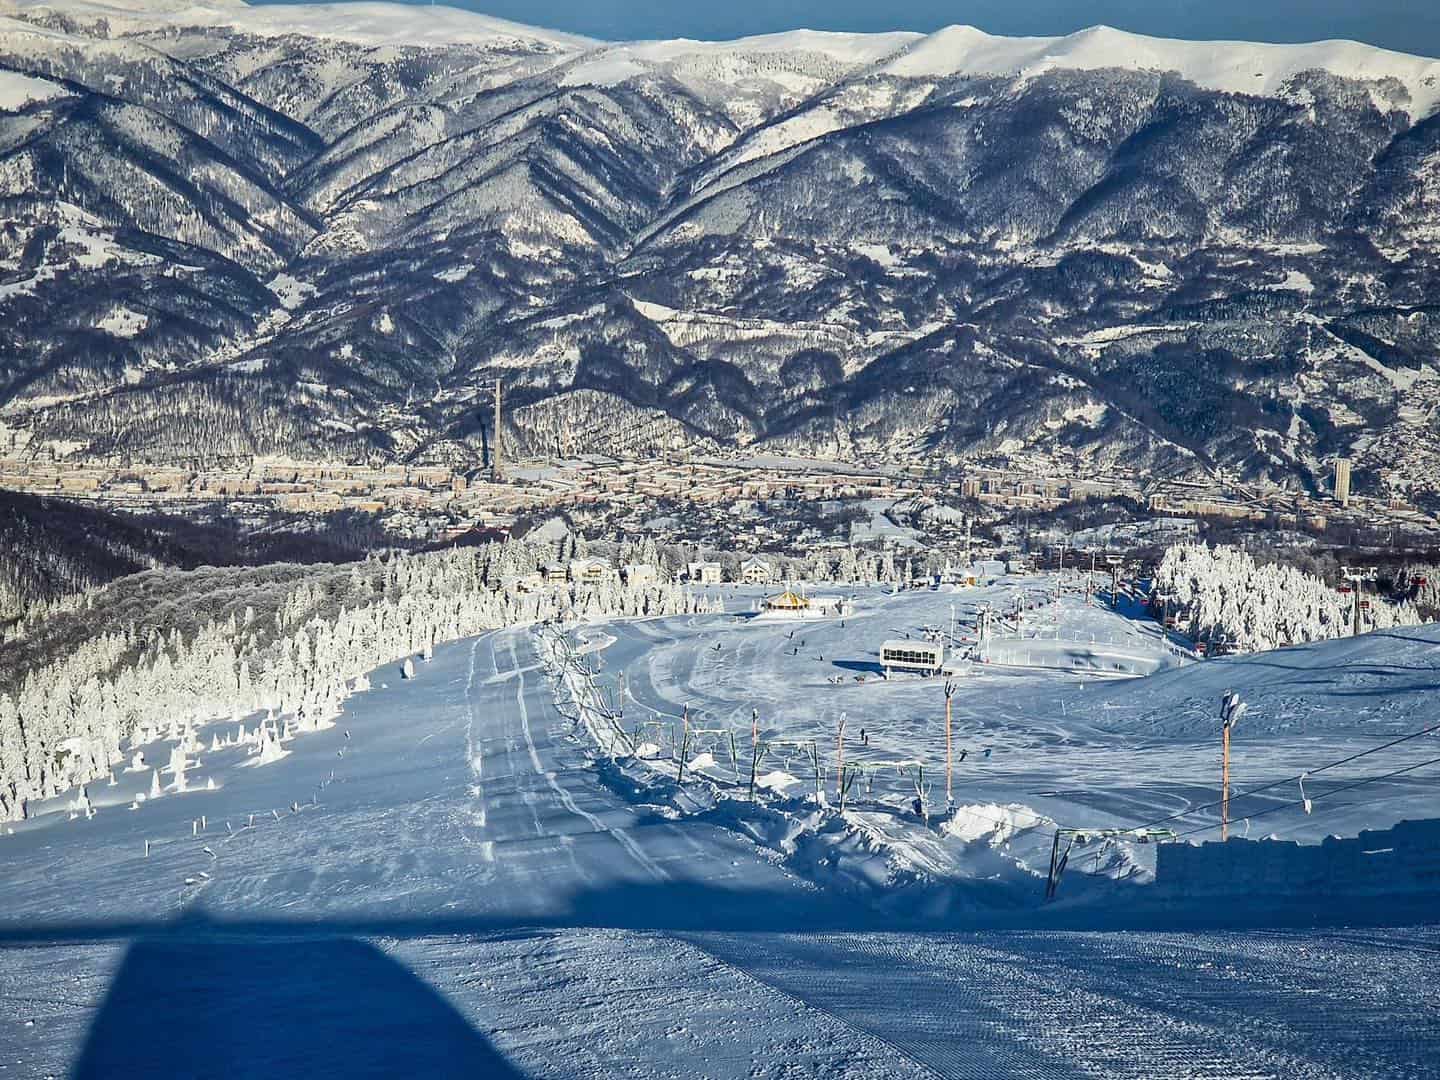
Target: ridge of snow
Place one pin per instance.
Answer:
(615, 63)
(361, 22)
(1260, 69)
(1227, 66)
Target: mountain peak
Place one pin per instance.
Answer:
(360, 22)
(1228, 66)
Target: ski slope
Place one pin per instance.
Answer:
(448, 882)
(1066, 742)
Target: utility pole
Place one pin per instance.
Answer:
(1231, 709)
(949, 760)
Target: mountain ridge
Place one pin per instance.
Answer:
(825, 243)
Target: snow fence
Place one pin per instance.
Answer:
(1404, 860)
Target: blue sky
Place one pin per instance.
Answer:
(1407, 25)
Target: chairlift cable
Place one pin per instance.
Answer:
(1294, 779)
(1321, 795)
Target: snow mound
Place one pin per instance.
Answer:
(777, 780)
(991, 823)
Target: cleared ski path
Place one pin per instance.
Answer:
(465, 898)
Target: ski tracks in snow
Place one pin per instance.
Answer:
(621, 836)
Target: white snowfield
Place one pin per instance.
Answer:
(360, 22)
(455, 879)
(1233, 66)
(1400, 81)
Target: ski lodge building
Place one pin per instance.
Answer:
(640, 574)
(755, 571)
(705, 573)
(590, 571)
(926, 657)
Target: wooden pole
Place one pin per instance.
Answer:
(1225, 784)
(840, 761)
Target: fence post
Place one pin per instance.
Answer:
(754, 767)
(684, 746)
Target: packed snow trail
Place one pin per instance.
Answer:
(465, 898)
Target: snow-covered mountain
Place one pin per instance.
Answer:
(324, 230)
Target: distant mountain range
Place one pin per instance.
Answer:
(325, 231)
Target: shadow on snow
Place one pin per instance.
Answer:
(195, 998)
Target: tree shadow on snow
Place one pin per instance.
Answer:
(193, 998)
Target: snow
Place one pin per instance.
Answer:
(879, 526)
(991, 823)
(455, 856)
(1295, 281)
(777, 780)
(123, 322)
(1229, 66)
(878, 253)
(291, 291)
(613, 65)
(360, 22)
(17, 91)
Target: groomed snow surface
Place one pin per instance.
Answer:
(455, 879)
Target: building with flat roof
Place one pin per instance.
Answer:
(926, 657)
